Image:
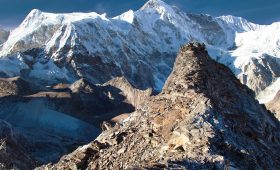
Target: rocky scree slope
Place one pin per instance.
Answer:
(203, 119)
(53, 48)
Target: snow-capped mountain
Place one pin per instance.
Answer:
(139, 45)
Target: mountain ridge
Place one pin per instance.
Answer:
(194, 123)
(70, 44)
(63, 75)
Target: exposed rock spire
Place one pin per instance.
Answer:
(204, 118)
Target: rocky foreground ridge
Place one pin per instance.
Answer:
(203, 119)
(62, 75)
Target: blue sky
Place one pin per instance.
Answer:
(12, 12)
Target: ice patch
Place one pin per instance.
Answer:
(49, 72)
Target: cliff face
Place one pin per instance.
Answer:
(274, 105)
(133, 95)
(204, 118)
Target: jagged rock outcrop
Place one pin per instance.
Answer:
(16, 86)
(133, 95)
(203, 119)
(274, 105)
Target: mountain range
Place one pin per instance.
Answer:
(89, 44)
(62, 75)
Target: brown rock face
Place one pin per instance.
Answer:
(203, 119)
(133, 95)
(274, 105)
(15, 86)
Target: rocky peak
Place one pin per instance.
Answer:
(154, 4)
(158, 6)
(204, 119)
(34, 13)
(188, 54)
(32, 18)
(82, 85)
